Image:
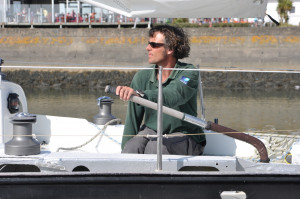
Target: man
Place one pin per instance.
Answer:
(166, 45)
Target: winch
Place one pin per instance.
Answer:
(22, 142)
(104, 114)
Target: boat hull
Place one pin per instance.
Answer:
(89, 185)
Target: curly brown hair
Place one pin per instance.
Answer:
(176, 39)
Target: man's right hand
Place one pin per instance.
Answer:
(125, 92)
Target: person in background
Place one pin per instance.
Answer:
(37, 16)
(92, 17)
(22, 15)
(73, 16)
(45, 15)
(166, 45)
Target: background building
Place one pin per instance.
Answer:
(294, 15)
(70, 11)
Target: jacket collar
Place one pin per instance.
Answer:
(173, 74)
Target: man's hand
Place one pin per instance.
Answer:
(125, 92)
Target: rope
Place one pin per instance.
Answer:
(79, 67)
(100, 131)
(62, 64)
(278, 146)
(108, 136)
(112, 67)
(255, 133)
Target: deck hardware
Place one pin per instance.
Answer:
(13, 103)
(104, 114)
(22, 142)
(233, 195)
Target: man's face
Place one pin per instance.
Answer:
(157, 55)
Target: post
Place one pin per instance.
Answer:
(52, 7)
(67, 6)
(101, 15)
(135, 22)
(1, 62)
(4, 11)
(201, 96)
(65, 16)
(41, 15)
(78, 11)
(149, 23)
(30, 20)
(159, 121)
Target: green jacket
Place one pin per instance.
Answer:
(179, 93)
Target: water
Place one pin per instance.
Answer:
(239, 109)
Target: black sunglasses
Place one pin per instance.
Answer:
(155, 45)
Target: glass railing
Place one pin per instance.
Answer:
(60, 13)
(83, 13)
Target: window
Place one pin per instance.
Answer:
(293, 9)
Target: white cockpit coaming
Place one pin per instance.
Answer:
(6, 127)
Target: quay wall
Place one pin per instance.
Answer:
(244, 47)
(233, 48)
(99, 79)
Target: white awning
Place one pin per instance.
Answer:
(184, 8)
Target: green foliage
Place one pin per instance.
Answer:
(283, 7)
(231, 25)
(181, 20)
(185, 25)
(206, 25)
